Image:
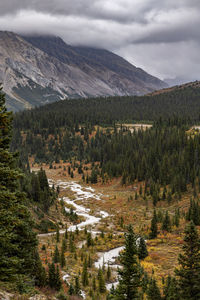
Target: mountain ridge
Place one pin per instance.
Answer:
(43, 69)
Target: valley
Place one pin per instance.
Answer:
(118, 204)
(112, 186)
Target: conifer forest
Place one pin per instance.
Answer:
(100, 198)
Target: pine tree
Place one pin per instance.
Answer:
(62, 257)
(102, 286)
(108, 274)
(85, 274)
(89, 239)
(57, 234)
(171, 289)
(58, 282)
(66, 234)
(166, 225)
(130, 274)
(52, 275)
(154, 227)
(94, 284)
(72, 247)
(56, 256)
(142, 249)
(189, 271)
(77, 286)
(18, 243)
(64, 245)
(39, 271)
(177, 218)
(71, 290)
(153, 292)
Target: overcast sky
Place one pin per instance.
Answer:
(160, 36)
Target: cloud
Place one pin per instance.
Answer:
(163, 37)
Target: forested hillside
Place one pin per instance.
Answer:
(143, 155)
(182, 103)
(161, 155)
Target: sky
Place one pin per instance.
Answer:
(160, 36)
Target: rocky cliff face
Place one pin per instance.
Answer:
(39, 70)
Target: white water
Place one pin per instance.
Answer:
(66, 278)
(108, 258)
(85, 193)
(80, 193)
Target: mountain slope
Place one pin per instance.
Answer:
(91, 59)
(39, 70)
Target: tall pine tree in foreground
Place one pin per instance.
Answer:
(18, 243)
(189, 271)
(130, 274)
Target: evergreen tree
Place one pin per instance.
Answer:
(52, 275)
(102, 286)
(72, 247)
(153, 292)
(56, 256)
(94, 284)
(64, 245)
(85, 274)
(18, 243)
(171, 289)
(142, 249)
(89, 239)
(62, 258)
(177, 218)
(154, 227)
(108, 274)
(71, 290)
(130, 274)
(189, 271)
(193, 213)
(40, 273)
(66, 234)
(166, 225)
(57, 234)
(58, 282)
(77, 289)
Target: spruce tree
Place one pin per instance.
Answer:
(108, 274)
(89, 239)
(62, 258)
(153, 292)
(189, 265)
(52, 275)
(102, 286)
(71, 289)
(39, 271)
(56, 256)
(171, 289)
(18, 243)
(166, 225)
(85, 274)
(130, 274)
(57, 234)
(77, 289)
(154, 227)
(142, 249)
(66, 234)
(58, 283)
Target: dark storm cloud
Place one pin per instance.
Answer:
(136, 29)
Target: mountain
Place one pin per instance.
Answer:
(42, 69)
(179, 80)
(178, 88)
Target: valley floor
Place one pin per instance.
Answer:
(105, 210)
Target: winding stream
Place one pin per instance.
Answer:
(86, 193)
